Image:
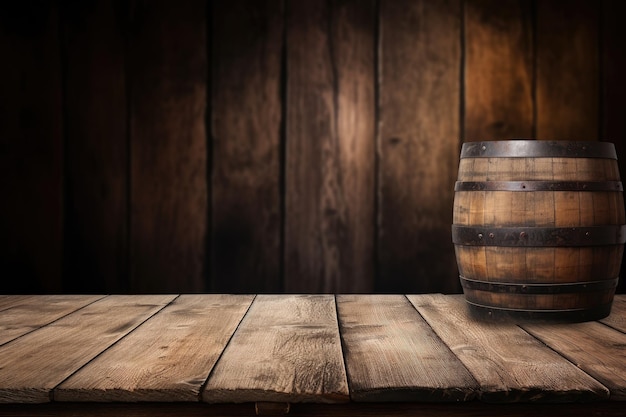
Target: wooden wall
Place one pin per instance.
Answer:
(275, 145)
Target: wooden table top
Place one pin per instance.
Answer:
(280, 352)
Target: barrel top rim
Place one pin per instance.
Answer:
(524, 148)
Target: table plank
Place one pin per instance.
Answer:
(508, 363)
(31, 366)
(168, 358)
(33, 312)
(8, 301)
(595, 348)
(392, 354)
(617, 319)
(287, 348)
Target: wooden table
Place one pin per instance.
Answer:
(230, 355)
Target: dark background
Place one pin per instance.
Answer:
(275, 146)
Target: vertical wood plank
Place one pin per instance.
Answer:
(567, 70)
(613, 88)
(63, 347)
(168, 76)
(418, 144)
(329, 219)
(96, 231)
(246, 116)
(30, 148)
(167, 359)
(498, 69)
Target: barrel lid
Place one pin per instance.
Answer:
(518, 148)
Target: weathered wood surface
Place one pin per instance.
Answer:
(173, 122)
(168, 358)
(286, 349)
(31, 366)
(418, 134)
(498, 76)
(36, 311)
(155, 146)
(392, 354)
(507, 362)
(593, 347)
(168, 147)
(8, 301)
(330, 147)
(96, 147)
(246, 145)
(401, 352)
(617, 318)
(567, 60)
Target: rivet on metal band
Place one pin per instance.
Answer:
(538, 236)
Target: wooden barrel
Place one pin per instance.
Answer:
(538, 228)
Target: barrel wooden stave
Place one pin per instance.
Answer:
(541, 208)
(537, 169)
(533, 302)
(539, 265)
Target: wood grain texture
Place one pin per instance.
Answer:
(95, 149)
(247, 44)
(36, 363)
(595, 348)
(36, 312)
(498, 262)
(567, 70)
(167, 359)
(289, 343)
(168, 76)
(418, 136)
(286, 349)
(31, 133)
(617, 318)
(8, 301)
(329, 172)
(392, 354)
(498, 70)
(508, 363)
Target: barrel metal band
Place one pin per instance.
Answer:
(539, 236)
(482, 311)
(538, 186)
(538, 149)
(533, 288)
